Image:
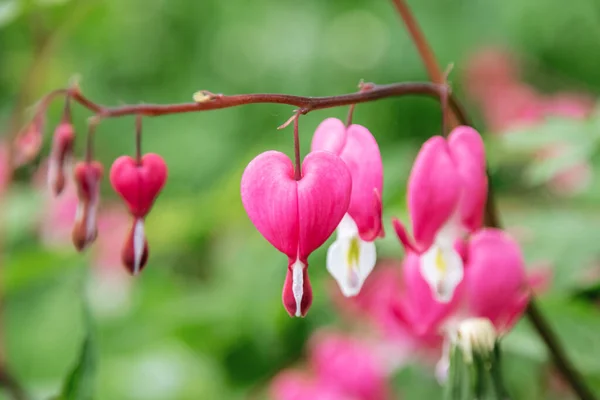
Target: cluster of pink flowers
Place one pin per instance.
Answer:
(493, 81)
(340, 187)
(138, 181)
(450, 258)
(454, 269)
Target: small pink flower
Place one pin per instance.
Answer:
(447, 190)
(296, 217)
(352, 256)
(138, 183)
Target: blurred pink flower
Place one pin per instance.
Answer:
(493, 81)
(296, 385)
(339, 368)
(349, 364)
(570, 180)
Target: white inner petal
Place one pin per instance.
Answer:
(298, 285)
(347, 227)
(350, 260)
(138, 244)
(442, 269)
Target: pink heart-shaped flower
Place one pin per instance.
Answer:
(296, 216)
(139, 184)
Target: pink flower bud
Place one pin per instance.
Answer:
(87, 180)
(61, 152)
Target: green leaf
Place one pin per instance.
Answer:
(79, 384)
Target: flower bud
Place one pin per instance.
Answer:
(60, 154)
(87, 180)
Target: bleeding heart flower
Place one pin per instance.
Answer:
(87, 180)
(496, 283)
(296, 217)
(60, 155)
(447, 190)
(139, 184)
(352, 256)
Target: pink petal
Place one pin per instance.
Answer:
(495, 277)
(323, 199)
(408, 245)
(269, 195)
(468, 153)
(434, 189)
(330, 136)
(361, 155)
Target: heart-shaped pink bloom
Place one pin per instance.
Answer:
(496, 283)
(139, 184)
(296, 216)
(448, 179)
(359, 150)
(447, 190)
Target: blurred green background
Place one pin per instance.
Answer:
(204, 320)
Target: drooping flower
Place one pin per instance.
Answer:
(296, 216)
(352, 256)
(138, 183)
(87, 180)
(447, 190)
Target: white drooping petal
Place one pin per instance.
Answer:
(347, 227)
(350, 260)
(298, 285)
(138, 244)
(442, 269)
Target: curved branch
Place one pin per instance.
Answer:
(208, 101)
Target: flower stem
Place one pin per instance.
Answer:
(298, 169)
(492, 217)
